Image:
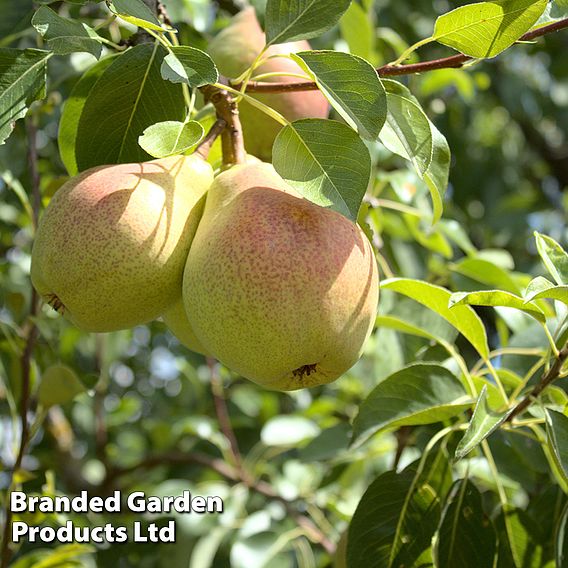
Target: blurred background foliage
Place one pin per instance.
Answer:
(152, 410)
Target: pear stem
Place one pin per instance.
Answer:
(232, 136)
(204, 147)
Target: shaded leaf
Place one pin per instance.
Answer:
(485, 29)
(483, 423)
(557, 433)
(170, 138)
(561, 539)
(326, 162)
(22, 81)
(137, 13)
(422, 393)
(129, 97)
(289, 20)
(351, 85)
(72, 109)
(59, 385)
(466, 537)
(65, 36)
(409, 133)
(393, 523)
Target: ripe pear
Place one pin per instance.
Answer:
(178, 323)
(111, 246)
(234, 49)
(282, 291)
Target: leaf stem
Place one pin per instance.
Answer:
(408, 52)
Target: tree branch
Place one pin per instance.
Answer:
(223, 413)
(453, 62)
(204, 147)
(232, 136)
(547, 379)
(30, 335)
(231, 474)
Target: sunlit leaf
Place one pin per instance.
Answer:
(485, 29)
(463, 318)
(497, 298)
(326, 162)
(351, 85)
(554, 257)
(170, 138)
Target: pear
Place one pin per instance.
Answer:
(282, 291)
(111, 246)
(234, 49)
(178, 323)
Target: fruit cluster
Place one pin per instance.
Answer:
(240, 267)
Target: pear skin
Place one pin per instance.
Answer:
(234, 49)
(282, 291)
(112, 244)
(178, 323)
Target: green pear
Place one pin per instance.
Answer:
(178, 323)
(112, 244)
(280, 290)
(234, 49)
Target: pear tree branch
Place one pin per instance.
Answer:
(546, 380)
(452, 62)
(204, 147)
(30, 332)
(232, 474)
(232, 136)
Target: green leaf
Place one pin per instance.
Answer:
(189, 65)
(66, 36)
(466, 537)
(22, 81)
(554, 257)
(497, 298)
(463, 318)
(561, 539)
(393, 523)
(289, 20)
(422, 393)
(487, 273)
(137, 13)
(64, 556)
(72, 110)
(557, 433)
(541, 288)
(482, 424)
(59, 384)
(485, 29)
(351, 85)
(170, 138)
(288, 431)
(326, 162)
(15, 16)
(409, 133)
(129, 97)
(358, 30)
